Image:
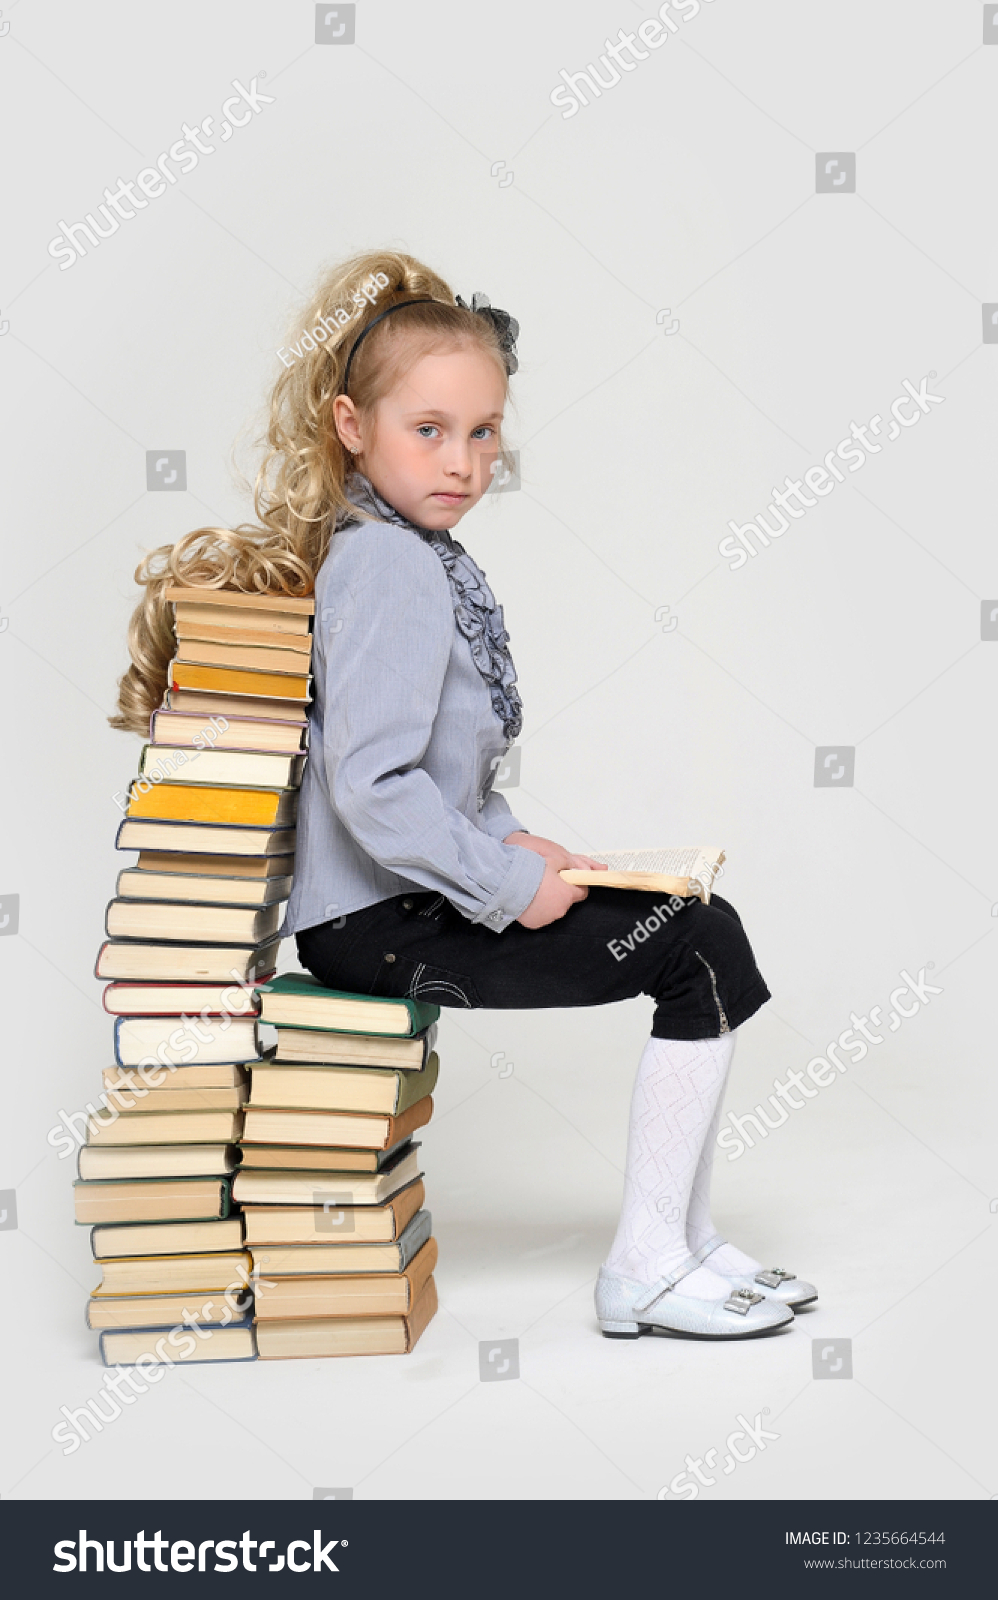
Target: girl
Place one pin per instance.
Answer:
(412, 877)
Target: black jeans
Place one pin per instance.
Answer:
(694, 960)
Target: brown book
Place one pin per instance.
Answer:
(172, 1098)
(272, 656)
(347, 1258)
(355, 1049)
(175, 728)
(685, 870)
(302, 1225)
(334, 1127)
(207, 703)
(233, 626)
(165, 1127)
(191, 594)
(162, 1310)
(136, 1161)
(202, 889)
(213, 804)
(219, 963)
(191, 923)
(166, 1238)
(374, 1294)
(151, 1200)
(173, 1274)
(293, 687)
(309, 1158)
(195, 838)
(203, 865)
(125, 1347)
(209, 1075)
(348, 1336)
(327, 1191)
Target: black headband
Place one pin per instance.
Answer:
(427, 300)
(506, 327)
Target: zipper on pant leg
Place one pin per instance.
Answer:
(717, 999)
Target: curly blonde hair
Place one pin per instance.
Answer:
(299, 489)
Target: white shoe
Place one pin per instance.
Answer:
(626, 1308)
(774, 1283)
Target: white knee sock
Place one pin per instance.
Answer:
(678, 1085)
(699, 1223)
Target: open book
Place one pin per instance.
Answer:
(685, 870)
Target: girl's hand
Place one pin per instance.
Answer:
(556, 856)
(552, 900)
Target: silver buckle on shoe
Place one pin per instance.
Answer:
(774, 1277)
(741, 1300)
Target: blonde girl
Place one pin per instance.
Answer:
(412, 877)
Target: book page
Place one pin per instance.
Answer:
(683, 861)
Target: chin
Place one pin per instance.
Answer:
(444, 516)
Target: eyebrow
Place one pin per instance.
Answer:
(446, 416)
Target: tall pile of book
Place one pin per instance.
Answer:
(329, 1181)
(192, 929)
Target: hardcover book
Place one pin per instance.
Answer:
(342, 1088)
(331, 1127)
(370, 1294)
(297, 1000)
(348, 1336)
(305, 1260)
(124, 1347)
(151, 1200)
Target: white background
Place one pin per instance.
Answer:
(688, 185)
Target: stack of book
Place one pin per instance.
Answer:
(191, 931)
(329, 1181)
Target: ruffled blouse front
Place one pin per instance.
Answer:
(476, 611)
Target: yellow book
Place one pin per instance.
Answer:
(194, 802)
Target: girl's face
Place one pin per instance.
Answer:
(429, 446)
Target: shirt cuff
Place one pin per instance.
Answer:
(516, 891)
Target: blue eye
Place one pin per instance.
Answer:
(426, 430)
(483, 432)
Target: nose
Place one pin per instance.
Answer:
(458, 459)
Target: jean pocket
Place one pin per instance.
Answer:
(403, 978)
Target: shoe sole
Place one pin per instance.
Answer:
(681, 1333)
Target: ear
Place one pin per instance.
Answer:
(347, 423)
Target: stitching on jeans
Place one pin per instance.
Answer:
(415, 989)
(438, 984)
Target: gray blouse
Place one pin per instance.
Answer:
(415, 705)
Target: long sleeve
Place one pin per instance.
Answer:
(385, 658)
(497, 819)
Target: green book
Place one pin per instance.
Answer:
(297, 1000)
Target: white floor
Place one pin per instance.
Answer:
(870, 1190)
